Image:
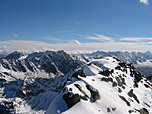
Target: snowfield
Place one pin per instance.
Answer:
(104, 86)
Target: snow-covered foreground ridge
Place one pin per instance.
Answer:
(104, 86)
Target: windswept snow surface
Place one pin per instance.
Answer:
(105, 86)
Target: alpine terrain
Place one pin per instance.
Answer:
(104, 86)
(29, 82)
(59, 83)
(141, 61)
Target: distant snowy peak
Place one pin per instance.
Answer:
(15, 55)
(104, 86)
(53, 63)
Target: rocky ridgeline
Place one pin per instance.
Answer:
(108, 85)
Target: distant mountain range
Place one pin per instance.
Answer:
(88, 83)
(142, 61)
(131, 57)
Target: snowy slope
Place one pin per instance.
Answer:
(104, 86)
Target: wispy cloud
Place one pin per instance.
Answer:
(147, 43)
(144, 1)
(15, 35)
(117, 38)
(80, 35)
(64, 31)
(31, 46)
(99, 37)
(135, 39)
(73, 45)
(116, 35)
(52, 38)
(73, 41)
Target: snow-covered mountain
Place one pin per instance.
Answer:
(49, 62)
(57, 82)
(104, 86)
(141, 61)
(29, 82)
(131, 57)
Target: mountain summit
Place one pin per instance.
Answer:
(104, 86)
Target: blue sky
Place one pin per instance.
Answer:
(81, 22)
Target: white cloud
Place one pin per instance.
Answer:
(144, 1)
(115, 35)
(32, 46)
(61, 40)
(23, 46)
(76, 42)
(52, 38)
(74, 46)
(99, 37)
(135, 39)
(149, 42)
(15, 35)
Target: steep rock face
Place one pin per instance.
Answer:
(29, 83)
(109, 86)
